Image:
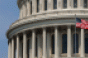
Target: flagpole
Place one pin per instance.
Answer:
(75, 35)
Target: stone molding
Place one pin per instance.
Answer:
(39, 24)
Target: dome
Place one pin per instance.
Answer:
(46, 29)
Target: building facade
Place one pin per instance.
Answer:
(46, 29)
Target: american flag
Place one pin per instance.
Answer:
(81, 23)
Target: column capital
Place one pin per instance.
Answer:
(68, 25)
(44, 27)
(24, 32)
(33, 30)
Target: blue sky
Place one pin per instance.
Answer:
(9, 13)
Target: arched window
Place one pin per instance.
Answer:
(75, 3)
(64, 43)
(45, 4)
(64, 3)
(55, 4)
(85, 3)
(37, 5)
(75, 43)
(53, 44)
(86, 43)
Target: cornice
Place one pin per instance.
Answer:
(41, 24)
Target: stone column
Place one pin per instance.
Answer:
(69, 4)
(28, 8)
(20, 50)
(41, 5)
(57, 43)
(24, 45)
(80, 3)
(33, 43)
(8, 48)
(79, 42)
(24, 9)
(82, 44)
(50, 4)
(34, 6)
(39, 37)
(20, 13)
(59, 4)
(69, 49)
(13, 48)
(48, 45)
(44, 42)
(30, 47)
(72, 3)
(18, 41)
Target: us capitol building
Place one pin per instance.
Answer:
(46, 29)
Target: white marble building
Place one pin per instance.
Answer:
(46, 29)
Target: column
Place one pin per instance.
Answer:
(82, 44)
(21, 49)
(79, 42)
(33, 43)
(59, 4)
(24, 45)
(44, 42)
(41, 5)
(48, 45)
(69, 4)
(49, 4)
(30, 47)
(39, 37)
(13, 48)
(20, 13)
(28, 8)
(34, 6)
(57, 43)
(18, 40)
(8, 49)
(24, 9)
(72, 3)
(69, 49)
(80, 3)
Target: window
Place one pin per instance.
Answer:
(55, 4)
(86, 43)
(75, 3)
(64, 43)
(28, 48)
(45, 4)
(31, 6)
(75, 43)
(64, 3)
(85, 3)
(37, 5)
(53, 44)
